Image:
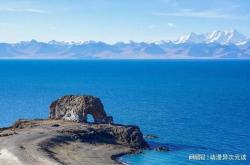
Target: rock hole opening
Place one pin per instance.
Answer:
(90, 118)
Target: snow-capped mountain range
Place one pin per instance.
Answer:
(221, 37)
(216, 44)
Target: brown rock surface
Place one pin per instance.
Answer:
(76, 108)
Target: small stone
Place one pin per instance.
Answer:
(150, 136)
(161, 148)
(55, 125)
(22, 147)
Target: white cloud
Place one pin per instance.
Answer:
(28, 10)
(171, 25)
(203, 14)
(35, 11)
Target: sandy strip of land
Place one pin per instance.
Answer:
(27, 146)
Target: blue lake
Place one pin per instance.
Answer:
(194, 106)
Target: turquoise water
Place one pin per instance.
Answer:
(195, 107)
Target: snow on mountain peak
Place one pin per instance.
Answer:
(221, 37)
(190, 38)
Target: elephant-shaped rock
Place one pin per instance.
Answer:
(77, 108)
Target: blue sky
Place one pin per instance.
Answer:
(118, 20)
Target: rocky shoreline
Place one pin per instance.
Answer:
(67, 142)
(68, 138)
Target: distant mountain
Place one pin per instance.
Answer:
(217, 44)
(221, 37)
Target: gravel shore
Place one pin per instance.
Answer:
(50, 142)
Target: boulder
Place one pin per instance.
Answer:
(150, 136)
(161, 148)
(76, 108)
(127, 135)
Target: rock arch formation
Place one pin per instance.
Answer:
(76, 108)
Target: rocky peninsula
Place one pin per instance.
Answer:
(68, 138)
